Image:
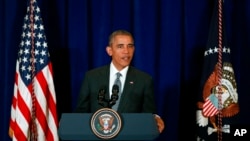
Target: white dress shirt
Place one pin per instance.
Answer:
(112, 77)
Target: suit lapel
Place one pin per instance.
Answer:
(104, 76)
(128, 87)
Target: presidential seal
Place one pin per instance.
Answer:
(106, 123)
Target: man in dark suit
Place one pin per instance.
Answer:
(136, 90)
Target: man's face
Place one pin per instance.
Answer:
(121, 50)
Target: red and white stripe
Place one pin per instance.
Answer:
(46, 113)
(209, 109)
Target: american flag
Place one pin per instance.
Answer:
(34, 99)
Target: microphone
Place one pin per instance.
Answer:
(101, 96)
(114, 96)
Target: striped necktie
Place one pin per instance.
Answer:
(118, 81)
(119, 84)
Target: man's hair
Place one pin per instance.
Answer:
(119, 32)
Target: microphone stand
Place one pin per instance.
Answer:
(114, 96)
(101, 97)
(108, 103)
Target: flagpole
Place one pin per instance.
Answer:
(220, 39)
(33, 133)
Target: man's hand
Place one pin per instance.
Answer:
(160, 123)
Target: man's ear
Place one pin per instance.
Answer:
(109, 50)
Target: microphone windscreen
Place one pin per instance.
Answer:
(115, 88)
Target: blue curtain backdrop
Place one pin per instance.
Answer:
(170, 38)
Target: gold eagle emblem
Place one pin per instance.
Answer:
(106, 123)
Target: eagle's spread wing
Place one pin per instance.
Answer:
(111, 122)
(211, 82)
(231, 110)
